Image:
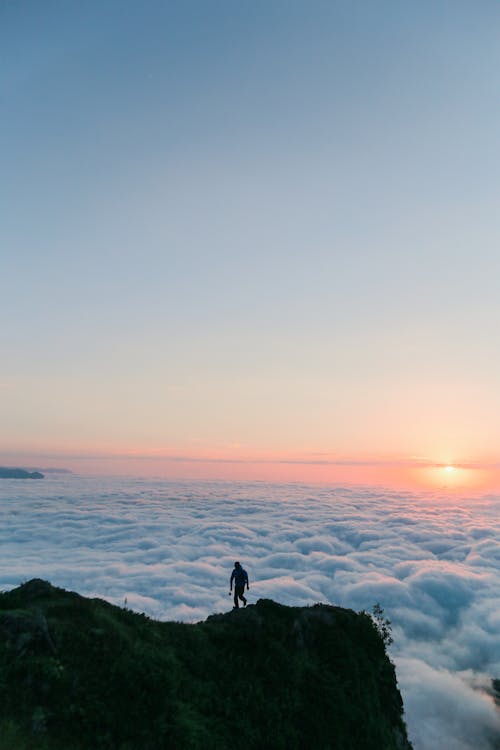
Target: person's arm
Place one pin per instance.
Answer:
(231, 582)
(246, 576)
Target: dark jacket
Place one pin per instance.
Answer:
(239, 576)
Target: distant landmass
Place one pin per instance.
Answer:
(53, 470)
(8, 473)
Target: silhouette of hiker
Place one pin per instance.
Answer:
(240, 578)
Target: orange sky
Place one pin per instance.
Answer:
(406, 473)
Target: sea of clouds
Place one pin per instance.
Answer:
(168, 548)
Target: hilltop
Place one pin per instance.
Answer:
(80, 673)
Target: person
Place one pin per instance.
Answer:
(240, 578)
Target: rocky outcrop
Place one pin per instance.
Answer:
(80, 673)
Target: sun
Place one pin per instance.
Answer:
(457, 477)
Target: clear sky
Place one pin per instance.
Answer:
(252, 239)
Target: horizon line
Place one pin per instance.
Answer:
(412, 462)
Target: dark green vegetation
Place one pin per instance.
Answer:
(7, 473)
(79, 673)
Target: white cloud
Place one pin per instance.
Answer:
(447, 710)
(168, 549)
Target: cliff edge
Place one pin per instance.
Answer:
(79, 673)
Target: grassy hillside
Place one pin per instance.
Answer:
(78, 673)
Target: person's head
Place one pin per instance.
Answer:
(237, 565)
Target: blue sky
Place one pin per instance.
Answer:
(267, 225)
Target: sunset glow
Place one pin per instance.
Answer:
(239, 463)
(248, 257)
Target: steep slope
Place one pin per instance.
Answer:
(78, 673)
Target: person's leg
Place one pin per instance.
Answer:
(241, 596)
(238, 594)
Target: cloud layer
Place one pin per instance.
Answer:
(167, 549)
